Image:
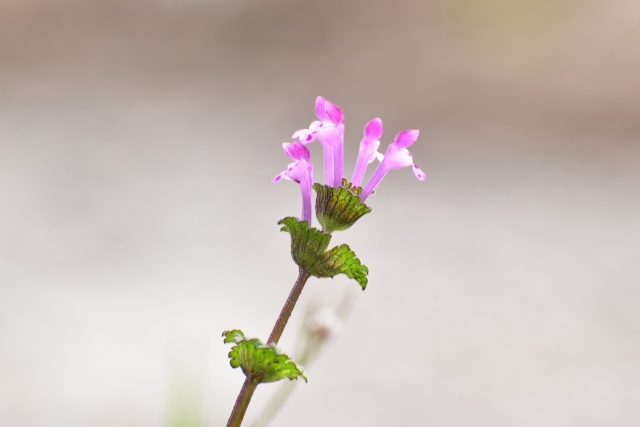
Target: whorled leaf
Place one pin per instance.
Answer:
(264, 363)
(308, 249)
(307, 244)
(341, 259)
(339, 208)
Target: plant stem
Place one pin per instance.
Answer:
(242, 402)
(310, 345)
(251, 383)
(283, 393)
(289, 304)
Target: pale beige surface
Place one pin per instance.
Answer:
(137, 222)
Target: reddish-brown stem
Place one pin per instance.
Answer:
(251, 383)
(289, 304)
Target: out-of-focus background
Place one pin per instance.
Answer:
(137, 220)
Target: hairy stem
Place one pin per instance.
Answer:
(251, 383)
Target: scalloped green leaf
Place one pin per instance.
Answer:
(307, 244)
(339, 208)
(342, 260)
(265, 363)
(308, 250)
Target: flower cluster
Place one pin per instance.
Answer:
(328, 130)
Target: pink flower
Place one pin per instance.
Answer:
(300, 171)
(396, 157)
(329, 131)
(368, 149)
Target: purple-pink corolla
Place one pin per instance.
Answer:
(368, 150)
(300, 171)
(396, 157)
(329, 131)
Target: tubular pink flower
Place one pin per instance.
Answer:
(368, 149)
(300, 171)
(329, 131)
(396, 157)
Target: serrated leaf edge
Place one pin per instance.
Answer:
(237, 336)
(323, 265)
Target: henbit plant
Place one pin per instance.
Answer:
(339, 204)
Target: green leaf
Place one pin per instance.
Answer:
(342, 260)
(308, 250)
(265, 363)
(339, 208)
(307, 244)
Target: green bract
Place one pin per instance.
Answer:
(309, 251)
(263, 363)
(338, 208)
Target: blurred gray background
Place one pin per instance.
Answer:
(137, 220)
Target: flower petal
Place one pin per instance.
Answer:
(301, 172)
(329, 131)
(321, 112)
(328, 111)
(277, 177)
(368, 149)
(332, 135)
(296, 151)
(334, 114)
(305, 136)
(405, 138)
(373, 129)
(396, 158)
(332, 139)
